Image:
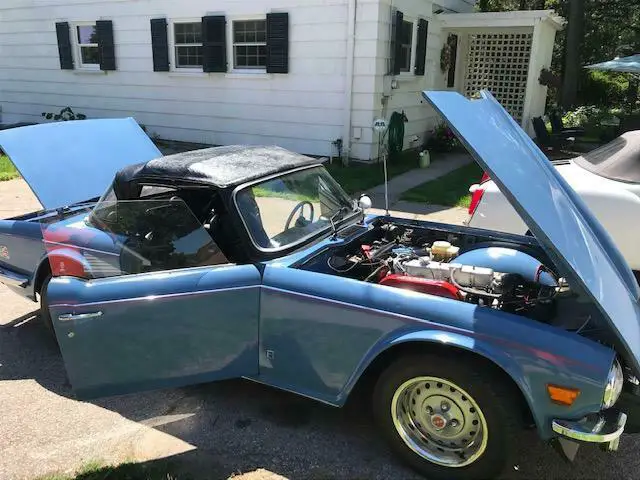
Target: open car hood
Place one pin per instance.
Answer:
(69, 162)
(575, 241)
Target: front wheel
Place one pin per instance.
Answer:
(446, 418)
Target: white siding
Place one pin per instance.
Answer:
(407, 96)
(302, 110)
(366, 77)
(372, 83)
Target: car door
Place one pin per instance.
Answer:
(142, 298)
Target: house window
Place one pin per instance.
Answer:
(406, 37)
(187, 39)
(88, 53)
(250, 44)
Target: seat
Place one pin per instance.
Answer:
(549, 141)
(557, 126)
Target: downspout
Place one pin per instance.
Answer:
(348, 90)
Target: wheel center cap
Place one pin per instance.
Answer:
(438, 421)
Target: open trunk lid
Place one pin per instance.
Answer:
(69, 162)
(554, 213)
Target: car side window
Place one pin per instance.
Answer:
(132, 237)
(152, 190)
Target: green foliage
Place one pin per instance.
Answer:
(611, 28)
(64, 115)
(603, 88)
(7, 170)
(159, 470)
(590, 117)
(442, 139)
(583, 116)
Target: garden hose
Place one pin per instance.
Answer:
(396, 133)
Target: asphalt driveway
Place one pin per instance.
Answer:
(214, 430)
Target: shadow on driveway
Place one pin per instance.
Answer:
(239, 426)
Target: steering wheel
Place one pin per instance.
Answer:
(300, 207)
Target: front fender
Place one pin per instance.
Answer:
(530, 371)
(325, 331)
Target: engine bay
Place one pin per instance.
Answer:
(499, 271)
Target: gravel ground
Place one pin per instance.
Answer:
(214, 430)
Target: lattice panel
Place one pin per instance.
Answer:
(499, 62)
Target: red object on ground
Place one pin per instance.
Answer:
(476, 196)
(422, 285)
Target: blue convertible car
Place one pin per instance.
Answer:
(253, 262)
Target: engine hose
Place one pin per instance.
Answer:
(396, 133)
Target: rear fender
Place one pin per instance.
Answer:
(40, 274)
(21, 250)
(68, 262)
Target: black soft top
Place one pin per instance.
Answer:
(218, 167)
(617, 160)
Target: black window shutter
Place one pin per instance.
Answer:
(453, 45)
(64, 45)
(421, 46)
(214, 43)
(396, 42)
(278, 43)
(159, 45)
(106, 47)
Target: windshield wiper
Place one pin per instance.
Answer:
(341, 212)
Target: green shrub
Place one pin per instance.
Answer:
(582, 116)
(64, 115)
(590, 117)
(606, 89)
(442, 139)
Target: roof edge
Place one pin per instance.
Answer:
(516, 18)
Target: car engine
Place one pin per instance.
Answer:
(502, 277)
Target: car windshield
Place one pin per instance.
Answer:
(285, 210)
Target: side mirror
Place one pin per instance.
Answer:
(364, 202)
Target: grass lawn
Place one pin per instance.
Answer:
(451, 189)
(7, 170)
(159, 470)
(359, 177)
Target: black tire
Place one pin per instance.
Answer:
(45, 316)
(495, 400)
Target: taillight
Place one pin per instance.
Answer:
(476, 192)
(476, 195)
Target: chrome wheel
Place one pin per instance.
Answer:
(439, 421)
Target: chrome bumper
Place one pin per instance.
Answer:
(604, 428)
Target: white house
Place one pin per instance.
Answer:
(309, 75)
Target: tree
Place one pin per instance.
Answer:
(606, 29)
(507, 5)
(572, 57)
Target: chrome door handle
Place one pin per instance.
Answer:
(65, 317)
